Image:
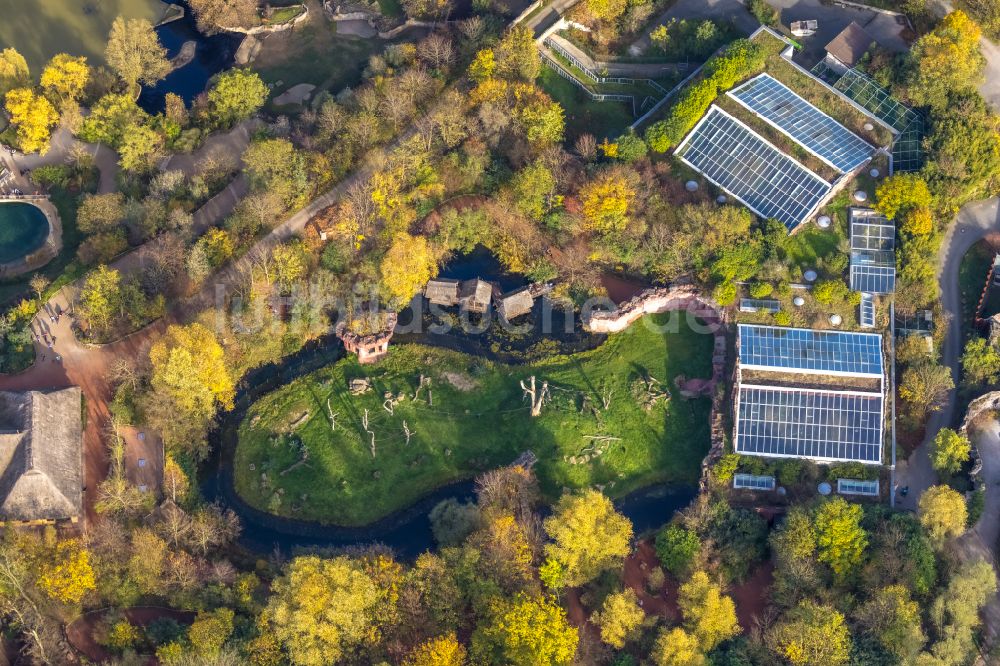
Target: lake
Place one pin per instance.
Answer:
(43, 28)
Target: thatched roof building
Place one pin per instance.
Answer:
(442, 291)
(41, 464)
(475, 295)
(516, 303)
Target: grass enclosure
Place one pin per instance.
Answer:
(584, 115)
(478, 421)
(314, 53)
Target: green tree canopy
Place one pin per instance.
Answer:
(235, 96)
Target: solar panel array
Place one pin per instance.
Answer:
(907, 149)
(815, 131)
(759, 305)
(873, 262)
(813, 352)
(745, 165)
(753, 482)
(809, 423)
(866, 311)
(857, 487)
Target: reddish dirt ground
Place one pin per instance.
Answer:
(638, 565)
(80, 633)
(752, 595)
(84, 366)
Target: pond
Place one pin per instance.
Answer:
(212, 55)
(23, 229)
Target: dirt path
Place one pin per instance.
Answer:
(80, 632)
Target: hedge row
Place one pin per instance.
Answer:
(741, 60)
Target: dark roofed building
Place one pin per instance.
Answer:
(475, 295)
(41, 464)
(846, 49)
(442, 291)
(516, 303)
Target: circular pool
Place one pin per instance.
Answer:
(23, 229)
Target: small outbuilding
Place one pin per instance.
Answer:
(442, 291)
(516, 303)
(475, 295)
(41, 456)
(846, 49)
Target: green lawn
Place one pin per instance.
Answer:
(583, 115)
(477, 421)
(40, 30)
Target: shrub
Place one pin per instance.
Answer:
(760, 289)
(725, 293)
(763, 12)
(827, 292)
(677, 548)
(726, 467)
(789, 472)
(782, 318)
(656, 580)
(631, 148)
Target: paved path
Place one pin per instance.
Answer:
(980, 542)
(975, 221)
(723, 11)
(61, 144)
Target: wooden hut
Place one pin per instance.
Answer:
(442, 291)
(516, 303)
(41, 456)
(475, 295)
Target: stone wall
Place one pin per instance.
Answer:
(263, 29)
(684, 298)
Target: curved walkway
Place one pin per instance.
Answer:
(975, 221)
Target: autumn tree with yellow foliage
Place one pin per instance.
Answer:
(406, 268)
(840, 539)
(619, 618)
(677, 647)
(709, 615)
(589, 536)
(942, 514)
(65, 78)
(13, 70)
(812, 635)
(33, 118)
(525, 630)
(439, 651)
(321, 609)
(606, 202)
(945, 61)
(67, 575)
(190, 380)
